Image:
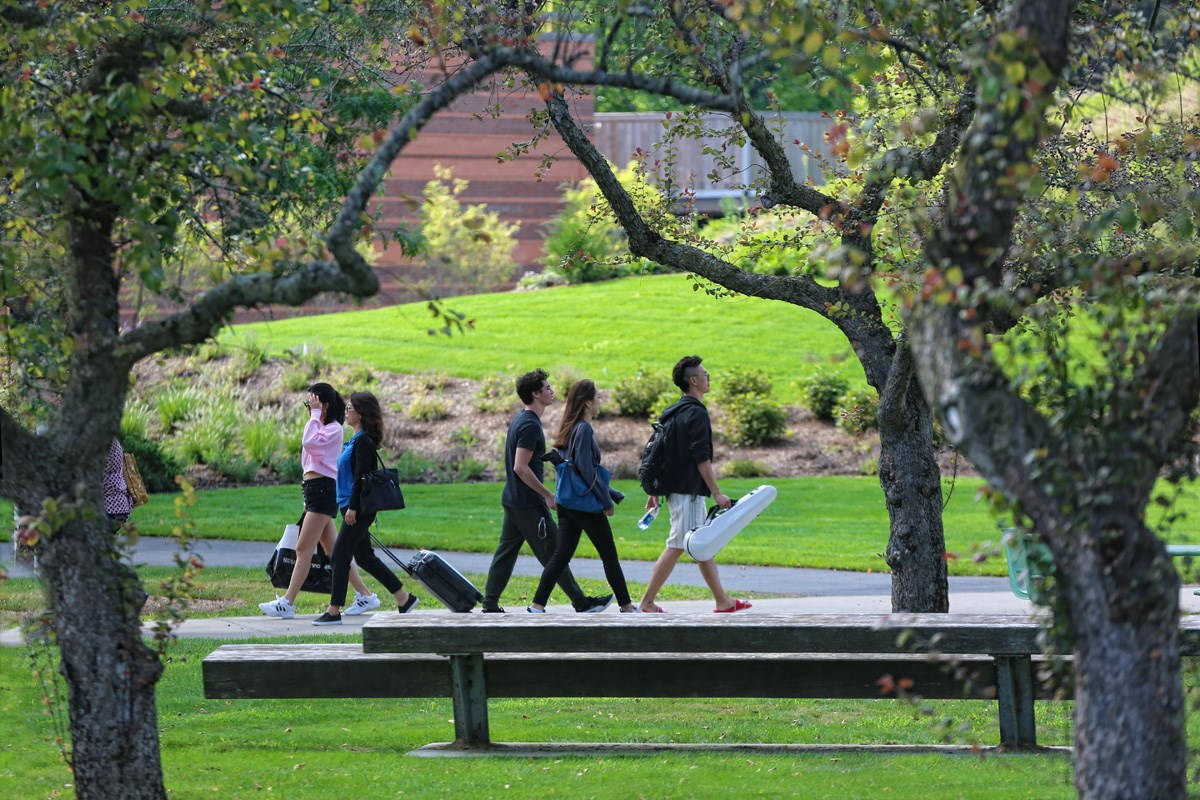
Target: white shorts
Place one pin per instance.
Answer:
(687, 512)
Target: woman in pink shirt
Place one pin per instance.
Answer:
(320, 446)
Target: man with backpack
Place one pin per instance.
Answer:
(527, 502)
(677, 463)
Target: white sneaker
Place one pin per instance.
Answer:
(362, 602)
(279, 607)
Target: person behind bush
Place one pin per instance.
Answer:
(118, 504)
(358, 457)
(319, 447)
(577, 442)
(527, 502)
(689, 477)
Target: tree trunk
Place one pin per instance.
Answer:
(1130, 739)
(109, 670)
(911, 481)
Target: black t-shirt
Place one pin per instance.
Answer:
(525, 431)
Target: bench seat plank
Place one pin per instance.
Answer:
(248, 671)
(744, 633)
(344, 670)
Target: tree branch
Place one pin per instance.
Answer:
(643, 241)
(350, 273)
(538, 66)
(916, 165)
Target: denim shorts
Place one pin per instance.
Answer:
(320, 496)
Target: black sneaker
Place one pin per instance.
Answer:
(410, 605)
(596, 605)
(491, 610)
(328, 619)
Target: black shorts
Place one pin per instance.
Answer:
(320, 496)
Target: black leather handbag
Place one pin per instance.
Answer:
(380, 490)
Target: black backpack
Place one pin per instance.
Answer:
(653, 466)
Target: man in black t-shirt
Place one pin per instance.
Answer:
(527, 501)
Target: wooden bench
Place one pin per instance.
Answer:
(473, 657)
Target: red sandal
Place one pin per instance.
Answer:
(738, 605)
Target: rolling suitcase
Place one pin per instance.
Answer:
(442, 580)
(706, 541)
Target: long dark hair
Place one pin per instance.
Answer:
(370, 415)
(581, 392)
(337, 406)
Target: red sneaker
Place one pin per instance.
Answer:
(738, 605)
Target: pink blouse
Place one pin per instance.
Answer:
(320, 446)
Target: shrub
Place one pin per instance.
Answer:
(496, 394)
(584, 242)
(209, 350)
(746, 468)
(466, 437)
(738, 381)
(751, 420)
(636, 395)
(466, 248)
(470, 469)
(136, 419)
(857, 411)
(357, 375)
(297, 378)
(821, 391)
(429, 408)
(870, 466)
(205, 440)
(235, 467)
(287, 468)
(414, 467)
(662, 402)
(563, 377)
(262, 438)
(176, 405)
(432, 381)
(157, 466)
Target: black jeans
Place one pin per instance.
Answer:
(536, 526)
(354, 542)
(570, 524)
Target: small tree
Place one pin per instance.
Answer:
(127, 136)
(465, 248)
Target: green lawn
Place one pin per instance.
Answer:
(831, 523)
(602, 330)
(836, 522)
(356, 748)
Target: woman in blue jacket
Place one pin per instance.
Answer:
(577, 442)
(365, 418)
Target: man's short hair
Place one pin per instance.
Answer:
(680, 373)
(530, 384)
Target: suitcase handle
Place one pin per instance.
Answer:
(375, 541)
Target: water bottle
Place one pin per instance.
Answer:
(647, 518)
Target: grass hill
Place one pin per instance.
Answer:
(604, 331)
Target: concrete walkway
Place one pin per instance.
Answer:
(806, 590)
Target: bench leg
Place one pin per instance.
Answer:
(469, 691)
(1014, 694)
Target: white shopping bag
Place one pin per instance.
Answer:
(291, 535)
